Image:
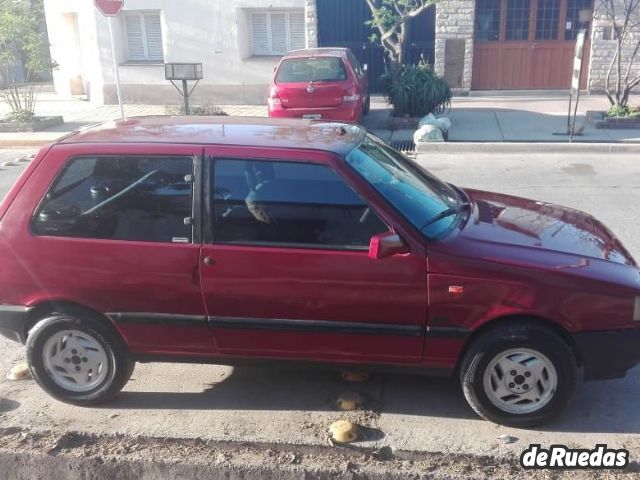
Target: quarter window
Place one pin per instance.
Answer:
(120, 198)
(286, 203)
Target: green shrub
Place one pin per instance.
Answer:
(198, 110)
(20, 116)
(626, 111)
(417, 91)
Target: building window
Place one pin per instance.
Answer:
(487, 20)
(547, 19)
(518, 19)
(144, 37)
(277, 32)
(579, 13)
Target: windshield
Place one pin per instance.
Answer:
(321, 69)
(428, 203)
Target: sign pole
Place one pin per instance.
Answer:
(115, 69)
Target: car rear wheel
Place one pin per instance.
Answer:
(78, 360)
(518, 375)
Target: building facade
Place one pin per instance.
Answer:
(475, 44)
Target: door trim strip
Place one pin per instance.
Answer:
(147, 318)
(327, 326)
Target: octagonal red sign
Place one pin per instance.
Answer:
(109, 8)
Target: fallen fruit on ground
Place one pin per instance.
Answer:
(19, 372)
(355, 377)
(343, 431)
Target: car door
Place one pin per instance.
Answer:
(116, 234)
(285, 265)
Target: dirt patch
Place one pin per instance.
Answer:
(25, 454)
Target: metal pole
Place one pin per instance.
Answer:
(115, 69)
(185, 94)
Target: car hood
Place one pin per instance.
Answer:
(520, 222)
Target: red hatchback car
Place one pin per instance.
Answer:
(319, 83)
(228, 240)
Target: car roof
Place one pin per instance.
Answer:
(334, 137)
(318, 52)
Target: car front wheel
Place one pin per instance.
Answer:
(519, 374)
(78, 360)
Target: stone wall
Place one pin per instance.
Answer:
(311, 23)
(603, 48)
(455, 20)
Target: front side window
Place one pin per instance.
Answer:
(313, 69)
(120, 198)
(287, 203)
(144, 37)
(277, 32)
(429, 204)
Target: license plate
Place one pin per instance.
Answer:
(315, 116)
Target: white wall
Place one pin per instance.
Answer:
(76, 53)
(214, 32)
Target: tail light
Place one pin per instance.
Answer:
(350, 95)
(274, 96)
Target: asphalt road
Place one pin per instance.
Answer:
(405, 412)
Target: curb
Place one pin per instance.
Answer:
(527, 147)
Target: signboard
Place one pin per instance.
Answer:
(109, 8)
(183, 71)
(576, 80)
(577, 62)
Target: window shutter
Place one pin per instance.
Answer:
(297, 31)
(260, 34)
(135, 40)
(278, 33)
(153, 32)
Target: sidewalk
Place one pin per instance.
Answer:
(519, 118)
(529, 119)
(80, 113)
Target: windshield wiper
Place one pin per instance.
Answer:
(446, 213)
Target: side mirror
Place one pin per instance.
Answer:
(365, 67)
(385, 245)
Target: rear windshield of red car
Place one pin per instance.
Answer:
(319, 69)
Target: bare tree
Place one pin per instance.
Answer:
(391, 18)
(623, 17)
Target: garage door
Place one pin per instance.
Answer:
(527, 44)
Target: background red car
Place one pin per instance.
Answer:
(320, 83)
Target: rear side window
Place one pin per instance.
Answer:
(321, 69)
(144, 199)
(301, 204)
(355, 64)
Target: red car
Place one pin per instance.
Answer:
(226, 240)
(319, 83)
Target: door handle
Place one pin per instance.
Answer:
(208, 261)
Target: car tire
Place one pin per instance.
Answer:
(367, 105)
(515, 350)
(78, 360)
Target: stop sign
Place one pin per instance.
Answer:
(109, 8)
